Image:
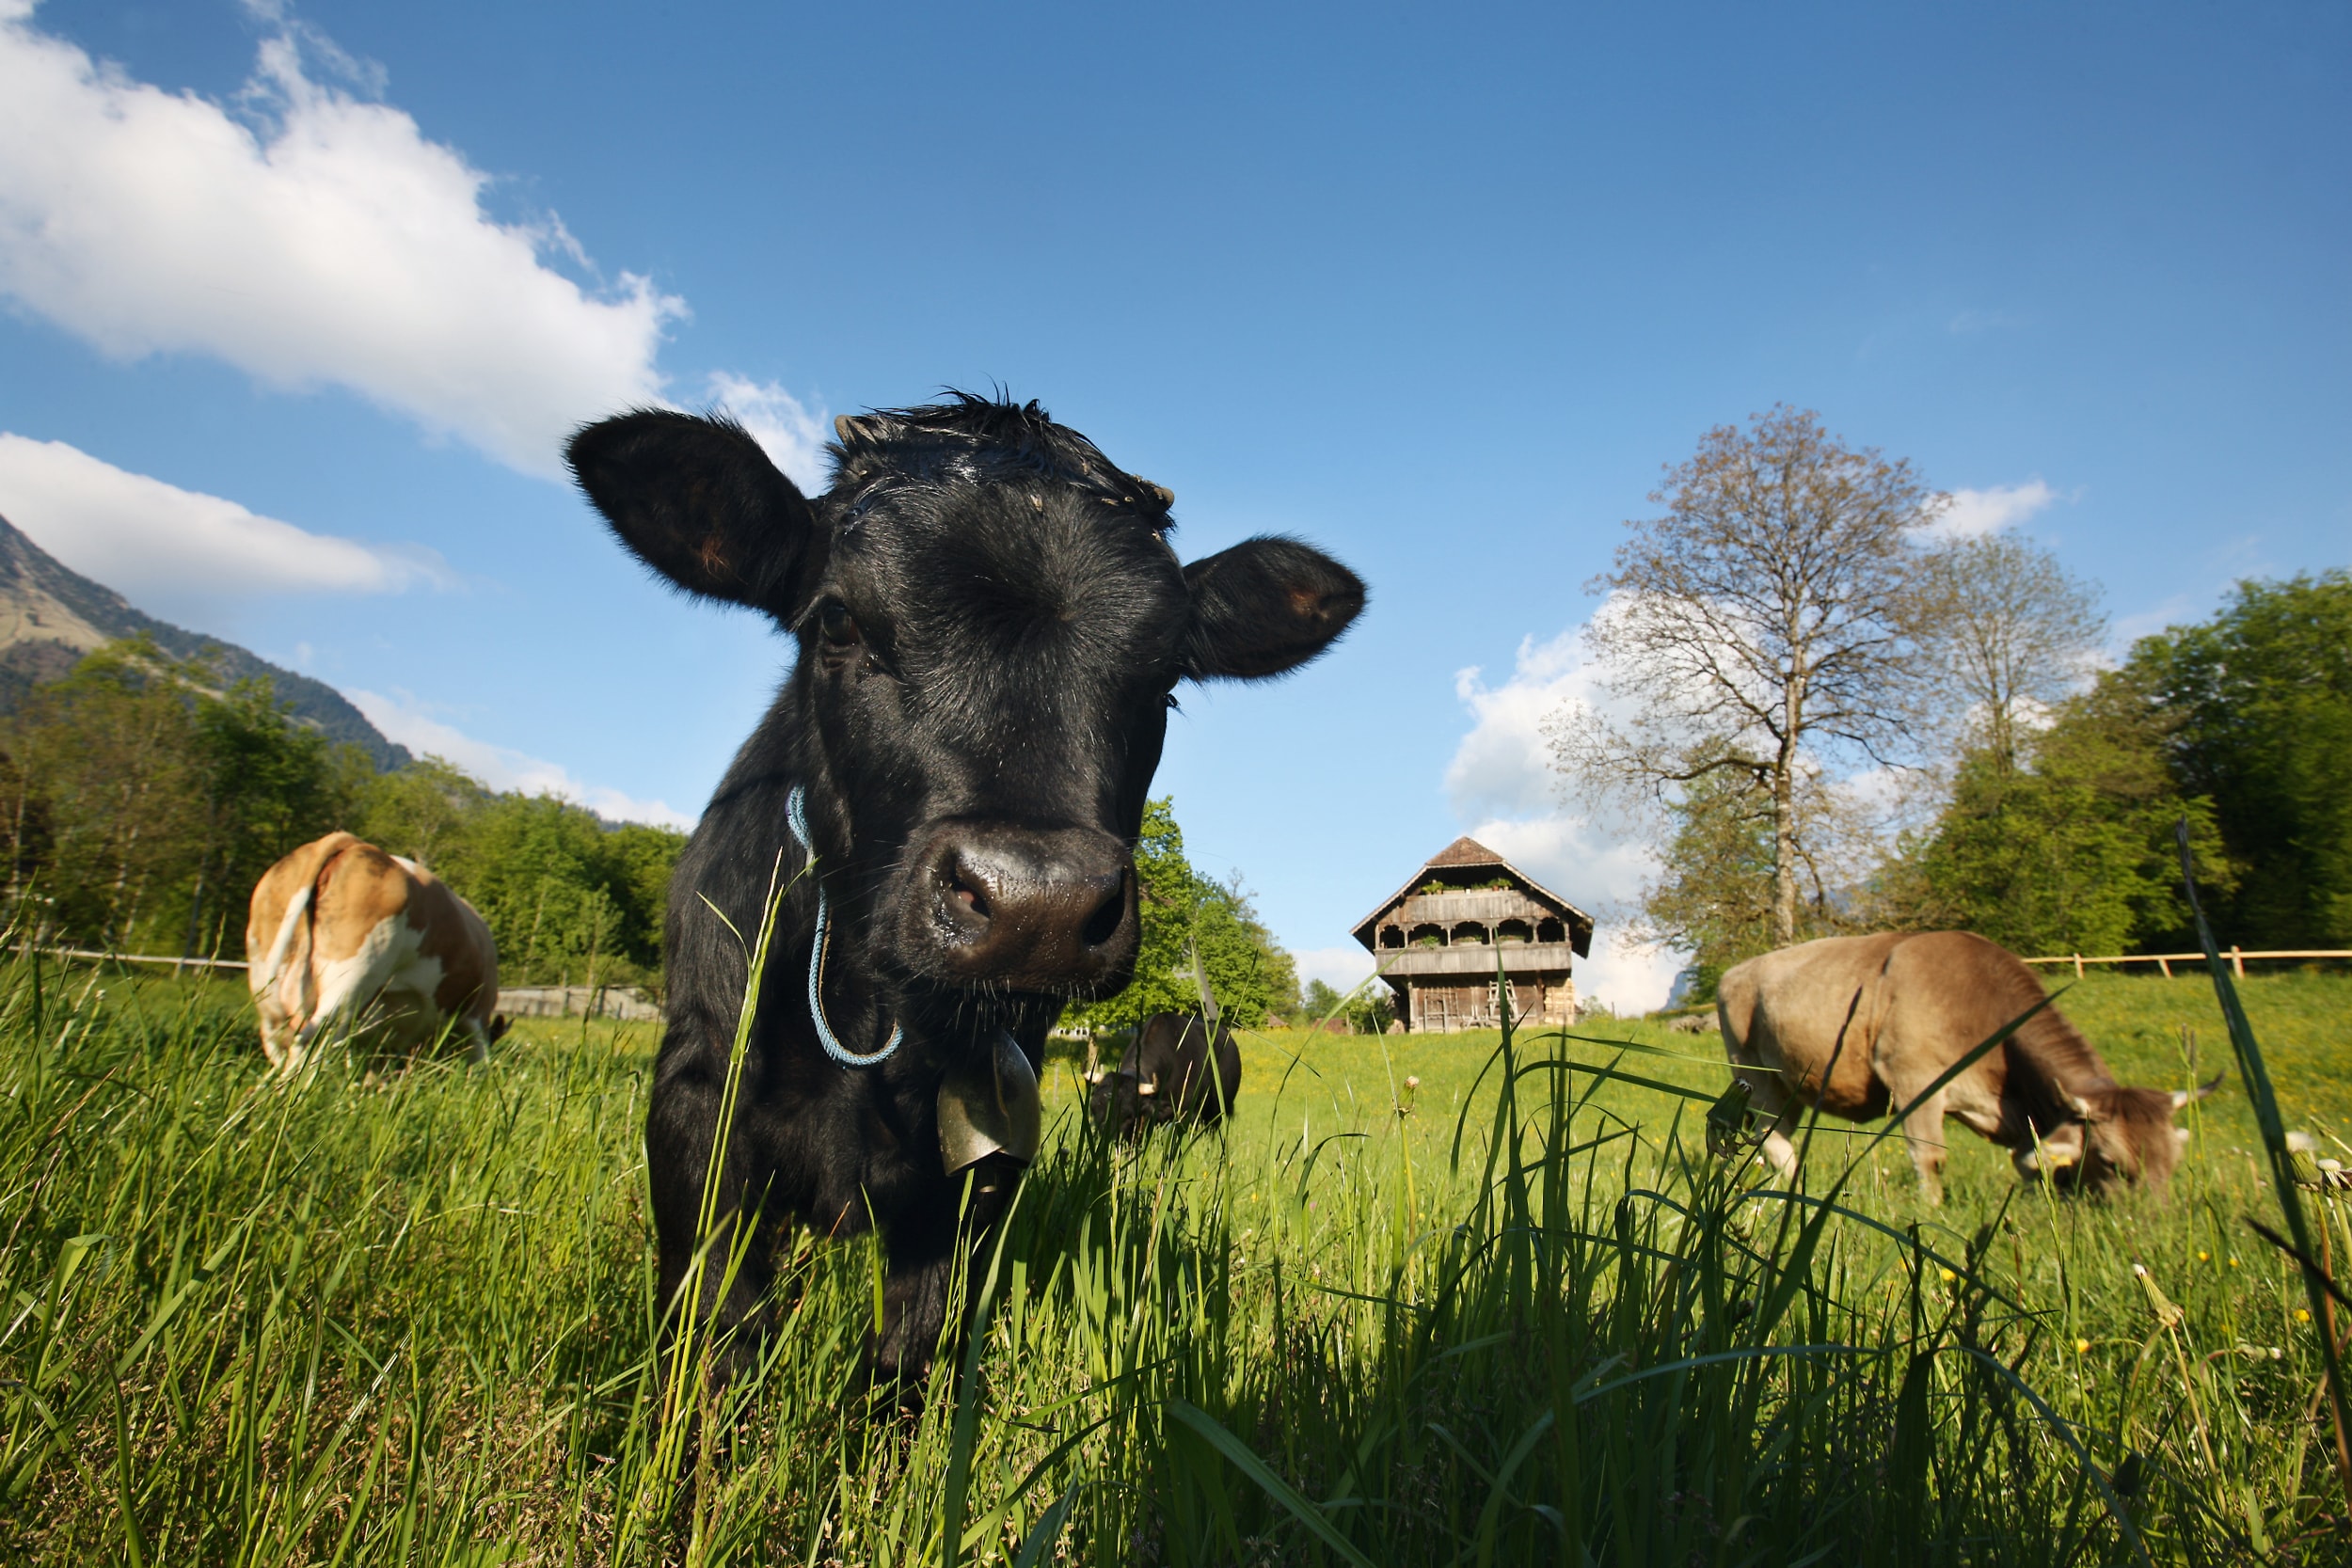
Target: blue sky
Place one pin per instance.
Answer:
(1440, 289)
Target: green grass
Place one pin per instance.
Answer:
(409, 1319)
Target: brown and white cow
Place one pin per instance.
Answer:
(1859, 1025)
(343, 935)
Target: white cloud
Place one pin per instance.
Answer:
(793, 438)
(412, 725)
(1502, 781)
(318, 240)
(1600, 870)
(1975, 511)
(1504, 764)
(1342, 967)
(164, 547)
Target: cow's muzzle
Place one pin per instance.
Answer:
(1042, 910)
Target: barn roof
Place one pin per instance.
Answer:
(1468, 853)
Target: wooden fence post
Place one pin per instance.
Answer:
(2078, 966)
(2237, 961)
(2165, 964)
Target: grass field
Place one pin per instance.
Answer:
(410, 1320)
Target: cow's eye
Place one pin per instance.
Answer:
(837, 625)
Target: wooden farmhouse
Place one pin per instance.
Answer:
(1440, 936)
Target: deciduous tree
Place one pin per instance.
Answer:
(1757, 632)
(2263, 698)
(267, 781)
(109, 750)
(1247, 968)
(2007, 631)
(2067, 846)
(1713, 895)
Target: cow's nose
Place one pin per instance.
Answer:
(1031, 909)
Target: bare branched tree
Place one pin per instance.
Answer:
(2007, 630)
(1761, 625)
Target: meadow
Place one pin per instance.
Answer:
(1424, 1301)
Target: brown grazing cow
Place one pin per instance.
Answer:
(1880, 1017)
(343, 935)
(1172, 1071)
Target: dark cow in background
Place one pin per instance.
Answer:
(1179, 1067)
(947, 789)
(1861, 1025)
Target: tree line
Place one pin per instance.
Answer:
(1194, 926)
(141, 798)
(1839, 715)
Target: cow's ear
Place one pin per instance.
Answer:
(1264, 607)
(697, 501)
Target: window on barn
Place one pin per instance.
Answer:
(1392, 935)
(1470, 931)
(1513, 930)
(1550, 930)
(1429, 935)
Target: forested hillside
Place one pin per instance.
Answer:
(49, 616)
(142, 795)
(2238, 725)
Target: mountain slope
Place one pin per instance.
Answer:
(49, 616)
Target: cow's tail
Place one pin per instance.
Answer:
(290, 925)
(286, 973)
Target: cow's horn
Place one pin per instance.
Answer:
(2181, 1097)
(849, 432)
(1149, 1085)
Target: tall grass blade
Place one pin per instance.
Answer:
(1248, 1464)
(2255, 1073)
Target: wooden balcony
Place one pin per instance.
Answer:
(1476, 959)
(1486, 905)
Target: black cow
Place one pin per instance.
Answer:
(1171, 1071)
(991, 626)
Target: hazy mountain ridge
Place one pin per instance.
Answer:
(51, 615)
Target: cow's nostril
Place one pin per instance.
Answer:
(1030, 909)
(1108, 915)
(969, 896)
